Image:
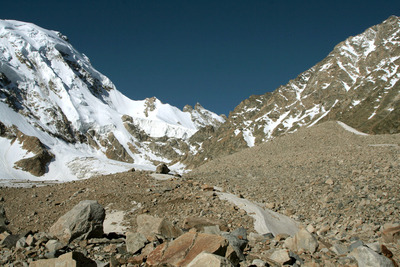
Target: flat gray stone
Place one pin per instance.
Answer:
(209, 260)
(53, 245)
(135, 242)
(303, 241)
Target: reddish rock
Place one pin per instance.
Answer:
(184, 249)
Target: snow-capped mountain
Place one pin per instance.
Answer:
(51, 96)
(357, 83)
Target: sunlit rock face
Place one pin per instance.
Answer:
(357, 83)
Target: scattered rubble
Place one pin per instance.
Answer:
(350, 220)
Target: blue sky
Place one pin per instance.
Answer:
(217, 53)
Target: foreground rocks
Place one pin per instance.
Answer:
(158, 242)
(341, 186)
(341, 190)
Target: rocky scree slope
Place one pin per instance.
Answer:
(357, 83)
(50, 91)
(342, 187)
(346, 185)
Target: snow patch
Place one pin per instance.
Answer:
(265, 221)
(248, 137)
(350, 129)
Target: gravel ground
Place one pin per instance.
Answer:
(343, 185)
(135, 193)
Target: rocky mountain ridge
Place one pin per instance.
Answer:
(50, 91)
(357, 83)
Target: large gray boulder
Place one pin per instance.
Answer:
(84, 221)
(135, 242)
(369, 258)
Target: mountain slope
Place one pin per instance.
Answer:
(357, 83)
(51, 91)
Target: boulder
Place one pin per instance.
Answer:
(162, 168)
(209, 260)
(237, 240)
(185, 248)
(21, 243)
(281, 256)
(53, 245)
(149, 226)
(135, 242)
(302, 241)
(369, 258)
(84, 221)
(30, 240)
(68, 259)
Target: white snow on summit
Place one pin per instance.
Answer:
(51, 91)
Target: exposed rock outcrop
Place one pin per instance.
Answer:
(37, 164)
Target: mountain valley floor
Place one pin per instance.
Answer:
(342, 186)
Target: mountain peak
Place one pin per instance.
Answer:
(357, 83)
(50, 91)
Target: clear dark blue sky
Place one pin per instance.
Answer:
(214, 52)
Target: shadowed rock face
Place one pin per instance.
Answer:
(357, 83)
(36, 165)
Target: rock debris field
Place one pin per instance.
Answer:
(341, 189)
